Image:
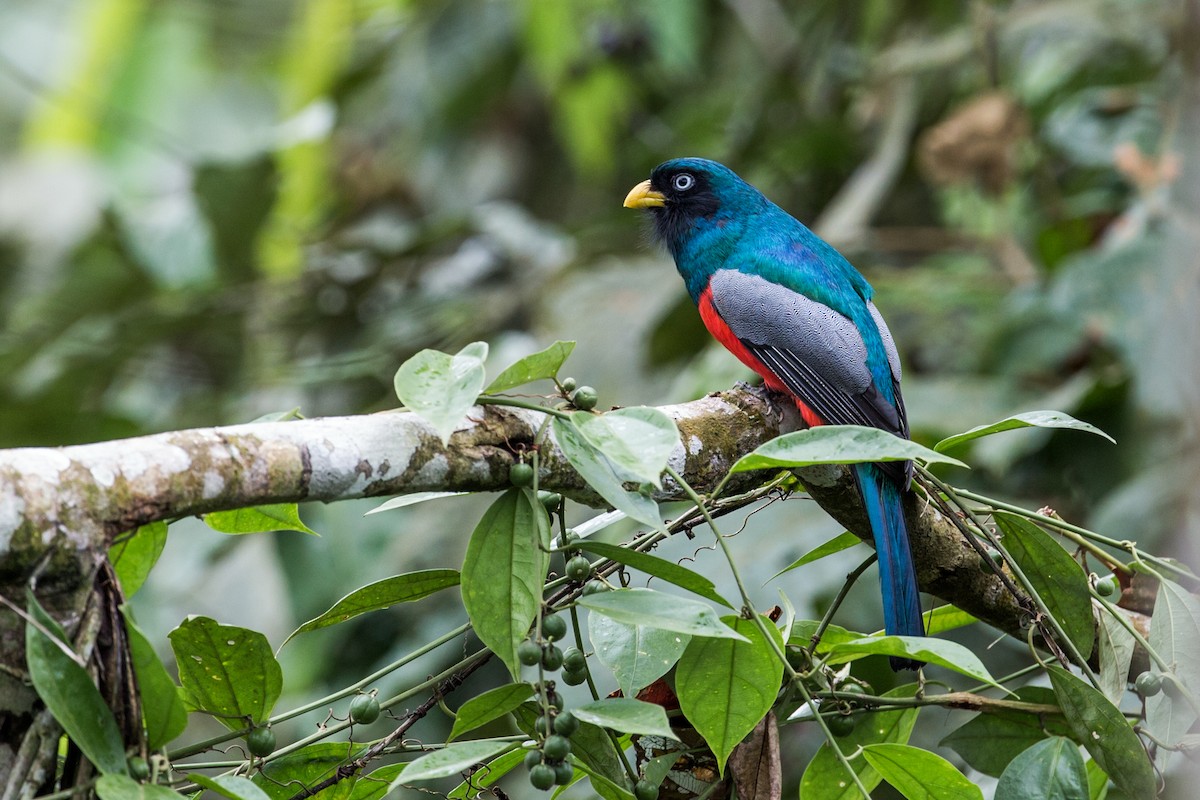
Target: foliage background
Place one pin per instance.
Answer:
(211, 211)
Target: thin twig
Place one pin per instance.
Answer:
(837, 601)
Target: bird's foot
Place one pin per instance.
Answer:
(777, 402)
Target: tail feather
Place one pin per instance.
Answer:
(897, 576)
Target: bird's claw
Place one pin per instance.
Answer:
(776, 402)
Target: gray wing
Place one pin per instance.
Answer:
(815, 351)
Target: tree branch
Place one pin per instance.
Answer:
(75, 499)
(61, 507)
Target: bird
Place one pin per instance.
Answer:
(788, 305)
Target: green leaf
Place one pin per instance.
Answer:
(837, 544)
(504, 570)
(382, 594)
(1102, 729)
(726, 687)
(803, 631)
(283, 777)
(535, 367)
(135, 555)
(377, 783)
(491, 774)
(411, 500)
(162, 708)
(280, 416)
(788, 616)
(825, 777)
(441, 388)
(638, 655)
(67, 690)
(656, 769)
(946, 618)
(1097, 781)
(122, 787)
(259, 519)
(668, 571)
(936, 620)
(451, 760)
(488, 706)
(989, 742)
(231, 786)
(836, 444)
(626, 715)
(606, 787)
(659, 610)
(1175, 636)
(226, 671)
(1115, 646)
(1056, 577)
(637, 441)
(1052, 769)
(1029, 419)
(941, 652)
(919, 774)
(1176, 630)
(600, 474)
(593, 748)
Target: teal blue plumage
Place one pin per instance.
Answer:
(794, 310)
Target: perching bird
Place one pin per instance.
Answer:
(791, 308)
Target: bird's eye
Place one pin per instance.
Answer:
(683, 181)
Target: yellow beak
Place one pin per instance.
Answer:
(642, 196)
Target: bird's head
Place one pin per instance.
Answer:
(692, 198)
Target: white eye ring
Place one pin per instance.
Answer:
(683, 181)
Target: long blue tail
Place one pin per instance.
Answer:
(897, 577)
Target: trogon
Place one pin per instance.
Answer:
(794, 310)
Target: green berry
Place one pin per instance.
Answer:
(574, 677)
(1148, 684)
(574, 660)
(364, 709)
(543, 727)
(645, 790)
(528, 652)
(853, 688)
(584, 398)
(556, 748)
(568, 385)
(532, 759)
(840, 724)
(595, 587)
(550, 500)
(542, 776)
(570, 536)
(579, 569)
(564, 773)
(1107, 586)
(554, 627)
(552, 658)
(555, 700)
(565, 723)
(138, 767)
(261, 742)
(520, 474)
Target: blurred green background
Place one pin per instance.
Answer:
(215, 209)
